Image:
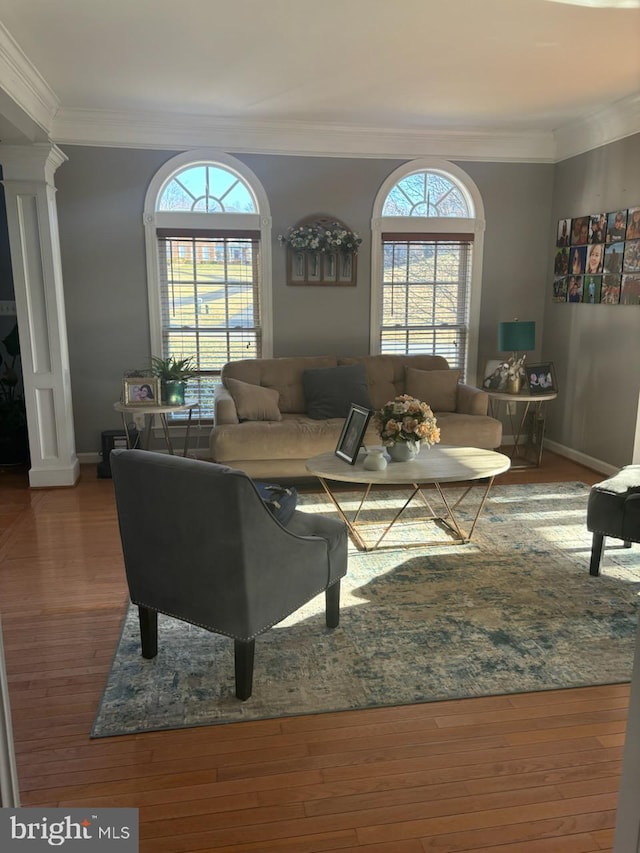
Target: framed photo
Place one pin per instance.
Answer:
(578, 260)
(541, 378)
(597, 227)
(630, 292)
(616, 226)
(141, 391)
(610, 294)
(563, 237)
(352, 433)
(495, 376)
(580, 231)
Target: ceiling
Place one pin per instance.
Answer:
(111, 71)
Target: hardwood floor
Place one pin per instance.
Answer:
(531, 773)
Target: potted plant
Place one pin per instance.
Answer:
(173, 374)
(14, 439)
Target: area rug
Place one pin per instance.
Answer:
(515, 610)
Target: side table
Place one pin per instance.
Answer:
(523, 440)
(144, 412)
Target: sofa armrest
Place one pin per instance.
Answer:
(471, 401)
(224, 408)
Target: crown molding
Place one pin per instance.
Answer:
(616, 122)
(181, 132)
(24, 84)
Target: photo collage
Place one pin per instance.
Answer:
(597, 259)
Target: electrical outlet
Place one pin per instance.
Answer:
(7, 308)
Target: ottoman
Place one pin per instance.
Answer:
(614, 510)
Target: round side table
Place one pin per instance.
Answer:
(523, 440)
(150, 412)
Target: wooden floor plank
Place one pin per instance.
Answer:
(524, 773)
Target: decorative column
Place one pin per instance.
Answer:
(32, 220)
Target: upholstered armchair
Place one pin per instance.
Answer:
(200, 545)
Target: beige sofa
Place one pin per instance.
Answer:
(262, 425)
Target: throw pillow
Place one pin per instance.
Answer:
(330, 391)
(254, 402)
(438, 388)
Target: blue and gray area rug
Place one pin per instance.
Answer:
(515, 610)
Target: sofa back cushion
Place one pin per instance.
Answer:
(438, 388)
(386, 373)
(282, 374)
(330, 391)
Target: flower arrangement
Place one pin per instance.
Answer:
(406, 419)
(321, 236)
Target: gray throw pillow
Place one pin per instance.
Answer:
(330, 391)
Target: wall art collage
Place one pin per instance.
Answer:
(597, 259)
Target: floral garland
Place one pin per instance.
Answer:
(406, 419)
(321, 237)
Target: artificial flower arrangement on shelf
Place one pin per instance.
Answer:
(321, 236)
(405, 423)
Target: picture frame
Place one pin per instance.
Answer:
(352, 434)
(541, 378)
(141, 391)
(495, 376)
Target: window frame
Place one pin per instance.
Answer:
(154, 221)
(474, 224)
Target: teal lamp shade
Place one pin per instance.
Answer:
(517, 336)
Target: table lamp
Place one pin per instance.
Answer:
(516, 336)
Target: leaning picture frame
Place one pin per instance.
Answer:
(353, 431)
(541, 378)
(141, 391)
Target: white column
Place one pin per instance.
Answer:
(32, 220)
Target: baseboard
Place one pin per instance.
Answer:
(580, 458)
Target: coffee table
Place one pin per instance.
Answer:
(432, 466)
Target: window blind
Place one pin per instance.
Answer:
(425, 295)
(210, 303)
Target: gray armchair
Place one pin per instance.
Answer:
(200, 545)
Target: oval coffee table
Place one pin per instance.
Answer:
(432, 466)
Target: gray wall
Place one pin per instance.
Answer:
(595, 348)
(100, 200)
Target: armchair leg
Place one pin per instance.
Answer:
(596, 554)
(332, 599)
(148, 631)
(244, 654)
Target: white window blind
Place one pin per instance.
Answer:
(210, 303)
(426, 294)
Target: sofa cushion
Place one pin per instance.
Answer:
(284, 374)
(329, 392)
(253, 402)
(386, 374)
(438, 388)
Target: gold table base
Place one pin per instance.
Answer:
(448, 521)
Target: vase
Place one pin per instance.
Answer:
(403, 451)
(173, 392)
(375, 460)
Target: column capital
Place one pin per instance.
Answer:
(36, 162)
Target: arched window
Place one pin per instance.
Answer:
(427, 245)
(208, 237)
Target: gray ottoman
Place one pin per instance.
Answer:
(614, 510)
